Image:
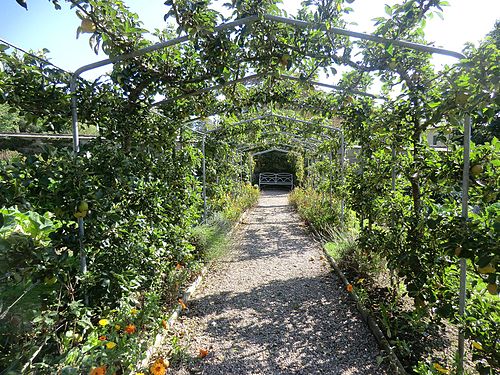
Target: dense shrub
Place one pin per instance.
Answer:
(320, 210)
(141, 207)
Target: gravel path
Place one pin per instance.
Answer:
(272, 306)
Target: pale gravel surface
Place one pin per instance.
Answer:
(273, 306)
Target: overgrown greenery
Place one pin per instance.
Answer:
(320, 210)
(137, 187)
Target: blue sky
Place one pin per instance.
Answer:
(42, 26)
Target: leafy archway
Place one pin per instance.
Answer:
(143, 173)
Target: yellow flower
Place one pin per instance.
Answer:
(477, 345)
(441, 369)
(103, 322)
(110, 345)
(139, 373)
(134, 311)
(118, 327)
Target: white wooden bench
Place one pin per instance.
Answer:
(279, 179)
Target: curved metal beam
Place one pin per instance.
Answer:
(274, 149)
(232, 25)
(324, 136)
(281, 144)
(364, 36)
(258, 77)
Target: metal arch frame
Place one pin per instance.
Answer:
(342, 142)
(274, 149)
(259, 77)
(232, 25)
(210, 88)
(333, 31)
(293, 137)
(323, 136)
(268, 115)
(183, 124)
(250, 147)
(335, 87)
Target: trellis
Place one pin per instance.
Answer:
(305, 25)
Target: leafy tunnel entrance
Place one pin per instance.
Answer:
(278, 161)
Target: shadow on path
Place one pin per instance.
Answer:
(274, 307)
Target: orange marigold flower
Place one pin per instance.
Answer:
(98, 371)
(158, 367)
(164, 324)
(102, 338)
(130, 329)
(183, 305)
(178, 266)
(349, 288)
(203, 353)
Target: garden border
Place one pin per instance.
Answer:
(395, 363)
(175, 313)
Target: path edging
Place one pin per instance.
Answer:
(160, 337)
(365, 314)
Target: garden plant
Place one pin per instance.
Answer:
(98, 241)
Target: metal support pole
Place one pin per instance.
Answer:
(362, 217)
(313, 175)
(393, 218)
(83, 255)
(241, 168)
(330, 156)
(74, 116)
(463, 262)
(76, 150)
(204, 169)
(342, 157)
(393, 170)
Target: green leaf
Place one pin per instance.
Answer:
(390, 49)
(22, 3)
(388, 10)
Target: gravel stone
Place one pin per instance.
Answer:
(273, 306)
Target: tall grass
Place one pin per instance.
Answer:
(210, 238)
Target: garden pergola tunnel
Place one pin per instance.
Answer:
(330, 31)
(286, 118)
(293, 137)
